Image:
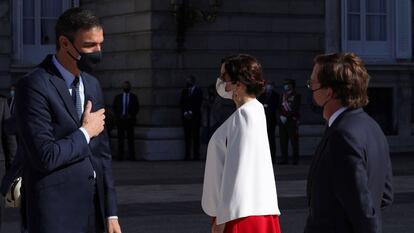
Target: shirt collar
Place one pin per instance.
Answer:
(335, 115)
(67, 76)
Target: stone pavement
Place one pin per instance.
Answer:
(164, 197)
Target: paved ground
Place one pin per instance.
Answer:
(164, 197)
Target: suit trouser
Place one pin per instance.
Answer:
(192, 138)
(289, 132)
(126, 126)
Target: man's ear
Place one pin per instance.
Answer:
(63, 42)
(331, 93)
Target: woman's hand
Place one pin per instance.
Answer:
(218, 228)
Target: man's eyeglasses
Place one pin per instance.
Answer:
(309, 86)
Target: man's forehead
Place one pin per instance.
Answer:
(95, 33)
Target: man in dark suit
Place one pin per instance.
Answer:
(270, 100)
(7, 147)
(289, 121)
(191, 102)
(126, 108)
(350, 178)
(67, 175)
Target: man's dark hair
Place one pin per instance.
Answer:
(73, 20)
(345, 73)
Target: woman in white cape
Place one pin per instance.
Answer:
(239, 189)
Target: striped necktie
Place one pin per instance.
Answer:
(76, 97)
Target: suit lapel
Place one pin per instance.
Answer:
(87, 90)
(65, 95)
(59, 83)
(315, 161)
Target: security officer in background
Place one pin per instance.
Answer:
(270, 100)
(289, 121)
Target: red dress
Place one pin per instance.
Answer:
(253, 224)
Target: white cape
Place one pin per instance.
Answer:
(238, 179)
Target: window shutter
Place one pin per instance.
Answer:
(403, 29)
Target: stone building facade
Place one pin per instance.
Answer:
(285, 35)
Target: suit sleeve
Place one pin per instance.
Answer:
(388, 195)
(104, 154)
(350, 183)
(109, 186)
(35, 126)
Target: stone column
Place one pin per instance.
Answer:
(332, 26)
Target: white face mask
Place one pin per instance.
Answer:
(221, 89)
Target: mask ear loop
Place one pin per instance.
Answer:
(73, 46)
(327, 102)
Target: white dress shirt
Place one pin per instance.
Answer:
(239, 179)
(125, 103)
(335, 115)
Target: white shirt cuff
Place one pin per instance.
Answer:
(88, 139)
(112, 217)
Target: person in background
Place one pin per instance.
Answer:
(270, 100)
(15, 169)
(126, 108)
(215, 111)
(8, 148)
(289, 121)
(191, 102)
(350, 178)
(209, 116)
(239, 189)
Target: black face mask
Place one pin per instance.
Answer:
(127, 89)
(314, 106)
(87, 61)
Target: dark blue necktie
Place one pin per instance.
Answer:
(76, 97)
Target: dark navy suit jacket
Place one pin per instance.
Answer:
(350, 178)
(133, 107)
(58, 162)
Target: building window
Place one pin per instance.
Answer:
(377, 30)
(34, 30)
